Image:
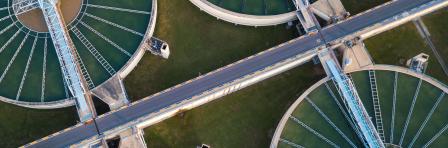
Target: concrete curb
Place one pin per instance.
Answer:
(243, 19)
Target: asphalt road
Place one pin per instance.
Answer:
(228, 74)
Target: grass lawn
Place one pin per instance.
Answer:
(357, 6)
(198, 45)
(19, 125)
(247, 118)
(436, 23)
(244, 119)
(232, 121)
(251, 115)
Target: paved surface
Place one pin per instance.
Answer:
(228, 74)
(358, 57)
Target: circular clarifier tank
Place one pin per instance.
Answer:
(409, 112)
(107, 35)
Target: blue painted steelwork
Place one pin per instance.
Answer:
(24, 6)
(357, 111)
(66, 55)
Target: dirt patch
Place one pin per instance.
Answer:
(34, 19)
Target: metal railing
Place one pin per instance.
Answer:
(355, 107)
(9, 40)
(328, 120)
(114, 24)
(376, 104)
(118, 9)
(394, 105)
(105, 38)
(291, 143)
(93, 51)
(25, 73)
(23, 6)
(428, 117)
(13, 58)
(84, 72)
(44, 71)
(328, 141)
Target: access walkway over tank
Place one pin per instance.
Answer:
(363, 126)
(67, 59)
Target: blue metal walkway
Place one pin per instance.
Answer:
(66, 56)
(356, 109)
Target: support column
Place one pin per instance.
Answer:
(112, 93)
(305, 16)
(356, 55)
(329, 10)
(132, 138)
